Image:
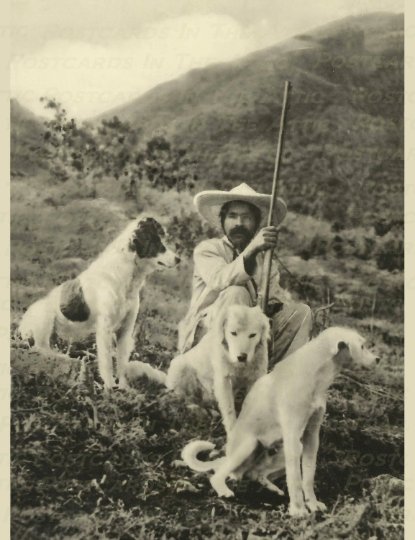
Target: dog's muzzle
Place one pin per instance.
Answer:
(172, 262)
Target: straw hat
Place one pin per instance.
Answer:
(209, 203)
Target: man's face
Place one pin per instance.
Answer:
(239, 224)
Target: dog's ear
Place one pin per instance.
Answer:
(145, 240)
(266, 328)
(339, 346)
(220, 327)
(155, 225)
(140, 240)
(263, 343)
(342, 353)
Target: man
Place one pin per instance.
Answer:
(228, 270)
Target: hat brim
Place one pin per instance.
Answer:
(209, 203)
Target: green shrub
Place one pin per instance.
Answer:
(390, 252)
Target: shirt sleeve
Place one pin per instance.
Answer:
(215, 271)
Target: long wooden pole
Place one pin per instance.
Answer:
(266, 272)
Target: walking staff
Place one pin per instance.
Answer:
(264, 294)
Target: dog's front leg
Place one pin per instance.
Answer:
(125, 345)
(104, 351)
(310, 448)
(222, 387)
(292, 451)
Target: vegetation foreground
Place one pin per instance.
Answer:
(85, 465)
(90, 466)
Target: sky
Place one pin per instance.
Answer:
(93, 55)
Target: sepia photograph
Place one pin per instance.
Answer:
(207, 269)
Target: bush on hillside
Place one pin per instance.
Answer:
(390, 252)
(359, 243)
(188, 231)
(318, 246)
(383, 226)
(310, 238)
(113, 148)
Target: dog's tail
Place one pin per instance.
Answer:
(37, 323)
(136, 369)
(190, 452)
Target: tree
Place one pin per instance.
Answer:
(112, 148)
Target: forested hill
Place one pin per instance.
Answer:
(343, 157)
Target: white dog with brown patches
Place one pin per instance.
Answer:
(286, 407)
(104, 299)
(230, 357)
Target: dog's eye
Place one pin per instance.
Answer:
(251, 335)
(363, 347)
(233, 333)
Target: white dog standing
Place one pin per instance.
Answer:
(287, 406)
(103, 299)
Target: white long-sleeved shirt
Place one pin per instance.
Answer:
(217, 266)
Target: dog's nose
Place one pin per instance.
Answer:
(377, 360)
(176, 259)
(242, 357)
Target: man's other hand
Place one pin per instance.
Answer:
(266, 238)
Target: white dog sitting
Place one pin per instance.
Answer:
(230, 357)
(104, 298)
(286, 407)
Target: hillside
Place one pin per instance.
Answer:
(343, 158)
(85, 465)
(26, 141)
(345, 133)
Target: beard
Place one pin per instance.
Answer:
(240, 236)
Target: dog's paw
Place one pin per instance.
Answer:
(298, 511)
(316, 506)
(214, 453)
(275, 489)
(123, 384)
(221, 488)
(110, 384)
(227, 493)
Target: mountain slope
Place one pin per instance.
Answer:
(26, 138)
(344, 142)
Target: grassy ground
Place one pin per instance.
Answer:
(89, 466)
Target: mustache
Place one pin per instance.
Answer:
(239, 229)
